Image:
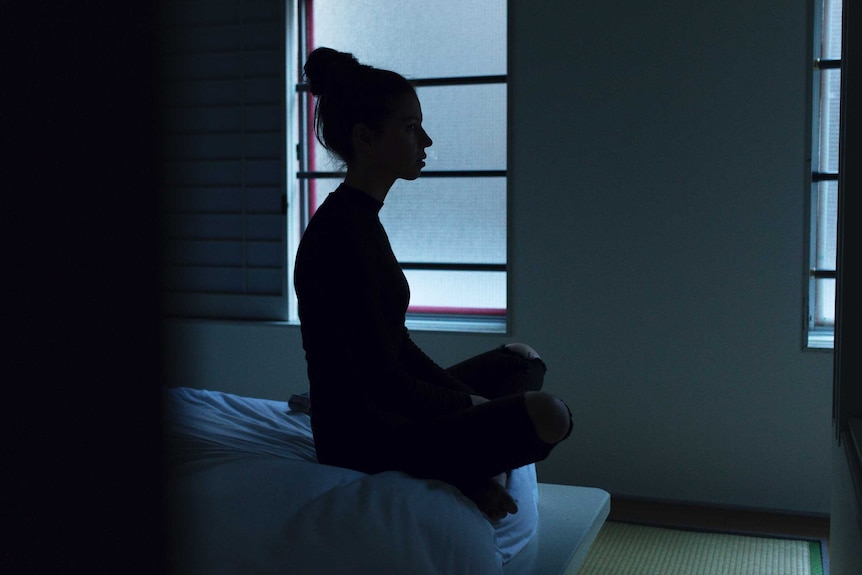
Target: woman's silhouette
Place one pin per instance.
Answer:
(378, 402)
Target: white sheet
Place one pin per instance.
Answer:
(222, 422)
(248, 496)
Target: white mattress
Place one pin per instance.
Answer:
(570, 518)
(248, 496)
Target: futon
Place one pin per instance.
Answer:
(247, 495)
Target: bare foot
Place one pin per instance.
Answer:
(492, 499)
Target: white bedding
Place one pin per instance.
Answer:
(248, 496)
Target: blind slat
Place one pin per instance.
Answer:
(224, 172)
(222, 146)
(223, 200)
(222, 92)
(223, 226)
(218, 65)
(229, 37)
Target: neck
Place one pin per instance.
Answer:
(366, 181)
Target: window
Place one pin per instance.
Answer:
(234, 202)
(448, 228)
(824, 159)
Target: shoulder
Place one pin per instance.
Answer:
(337, 221)
(337, 235)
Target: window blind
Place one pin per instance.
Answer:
(222, 94)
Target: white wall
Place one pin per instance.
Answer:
(658, 187)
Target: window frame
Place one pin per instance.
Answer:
(483, 320)
(818, 334)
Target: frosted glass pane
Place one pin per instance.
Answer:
(824, 302)
(416, 38)
(440, 220)
(827, 225)
(447, 220)
(832, 17)
(830, 114)
(455, 292)
(467, 125)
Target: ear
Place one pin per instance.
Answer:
(363, 138)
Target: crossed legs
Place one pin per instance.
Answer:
(517, 368)
(513, 369)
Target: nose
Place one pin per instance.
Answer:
(426, 139)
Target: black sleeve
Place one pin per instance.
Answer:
(414, 360)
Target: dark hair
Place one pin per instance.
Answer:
(349, 93)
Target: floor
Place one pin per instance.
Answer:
(703, 517)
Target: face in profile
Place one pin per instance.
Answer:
(399, 151)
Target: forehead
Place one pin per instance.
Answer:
(407, 107)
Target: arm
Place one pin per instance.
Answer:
(351, 327)
(414, 360)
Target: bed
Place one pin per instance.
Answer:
(247, 495)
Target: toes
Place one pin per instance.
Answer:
(501, 504)
(509, 505)
(494, 501)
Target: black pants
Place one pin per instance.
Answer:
(470, 446)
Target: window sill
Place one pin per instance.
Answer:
(456, 324)
(417, 323)
(821, 340)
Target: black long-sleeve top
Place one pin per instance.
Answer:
(366, 375)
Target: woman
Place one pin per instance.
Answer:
(378, 402)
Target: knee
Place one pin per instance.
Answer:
(550, 416)
(523, 350)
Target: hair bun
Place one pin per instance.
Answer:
(326, 67)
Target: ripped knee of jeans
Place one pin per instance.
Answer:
(525, 351)
(571, 422)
